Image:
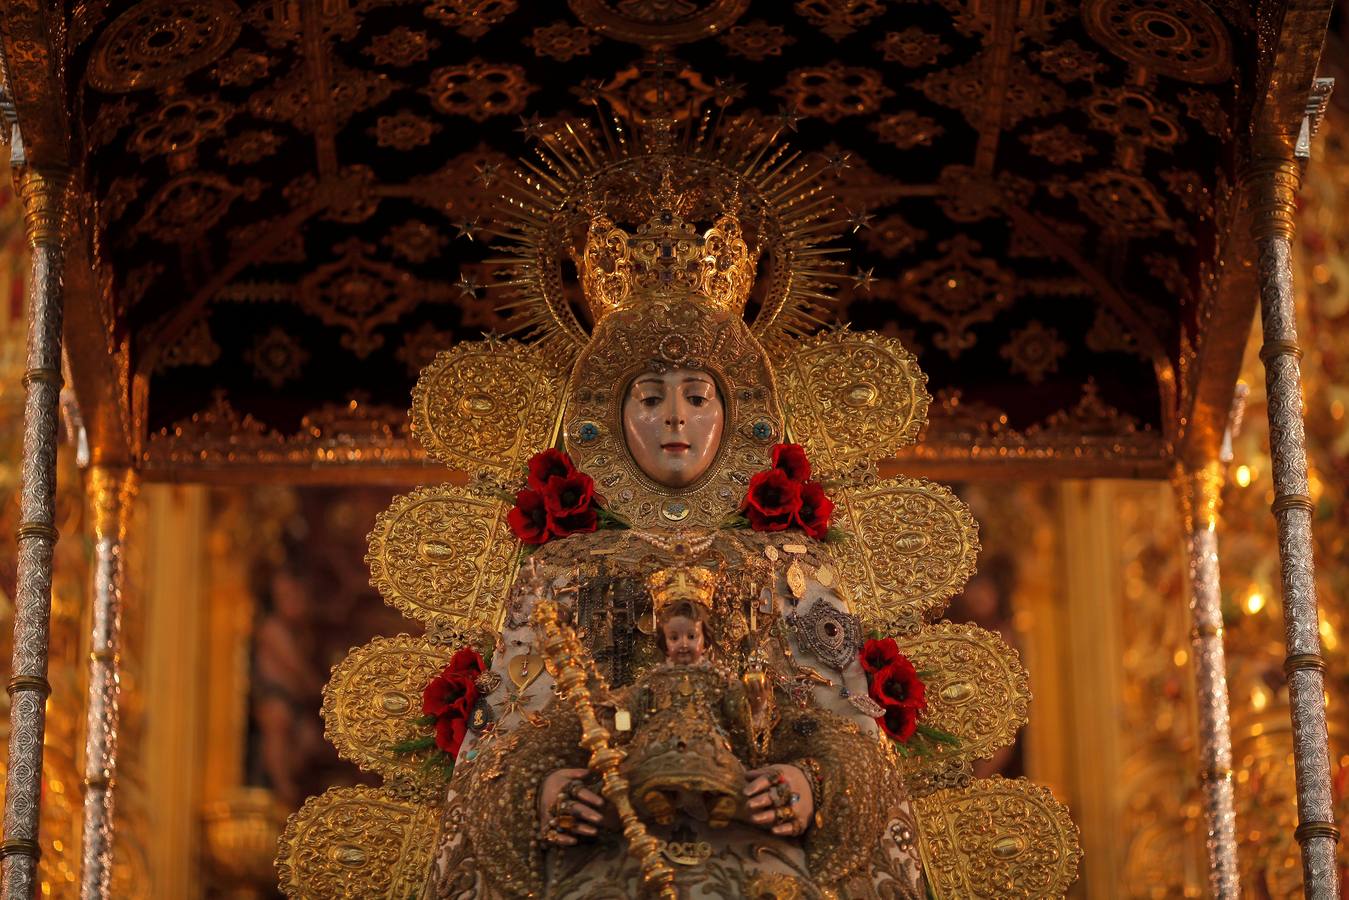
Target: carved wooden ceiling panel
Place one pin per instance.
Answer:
(290, 196)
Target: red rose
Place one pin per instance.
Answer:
(577, 523)
(791, 458)
(450, 732)
(467, 660)
(529, 518)
(899, 722)
(898, 684)
(547, 465)
(568, 495)
(771, 501)
(897, 688)
(877, 654)
(451, 696)
(812, 516)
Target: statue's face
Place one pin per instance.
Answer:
(672, 423)
(684, 641)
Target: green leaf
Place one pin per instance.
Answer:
(936, 734)
(415, 745)
(836, 535)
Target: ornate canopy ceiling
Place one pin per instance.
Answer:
(288, 200)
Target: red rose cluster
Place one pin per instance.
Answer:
(784, 496)
(558, 500)
(895, 685)
(451, 696)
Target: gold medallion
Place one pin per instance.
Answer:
(771, 553)
(825, 576)
(796, 579)
(523, 669)
(797, 549)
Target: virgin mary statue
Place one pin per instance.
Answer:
(681, 637)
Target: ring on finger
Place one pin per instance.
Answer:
(785, 814)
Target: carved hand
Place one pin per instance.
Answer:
(580, 814)
(779, 787)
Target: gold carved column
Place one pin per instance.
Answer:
(44, 197)
(1272, 183)
(1199, 489)
(111, 492)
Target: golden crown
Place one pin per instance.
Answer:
(678, 583)
(666, 257)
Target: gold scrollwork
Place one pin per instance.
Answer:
(913, 545)
(356, 842)
(486, 405)
(977, 690)
(372, 702)
(853, 397)
(445, 557)
(998, 837)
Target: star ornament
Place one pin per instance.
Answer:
(467, 228)
(487, 173)
(859, 220)
(863, 280)
(787, 119)
(533, 128)
(468, 287)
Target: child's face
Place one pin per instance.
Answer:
(684, 643)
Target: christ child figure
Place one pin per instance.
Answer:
(690, 724)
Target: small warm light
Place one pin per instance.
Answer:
(1329, 638)
(1336, 410)
(1320, 273)
(1244, 476)
(1181, 657)
(1255, 601)
(1315, 486)
(1259, 697)
(951, 283)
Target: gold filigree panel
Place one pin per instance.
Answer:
(1000, 838)
(486, 405)
(356, 842)
(443, 556)
(853, 397)
(977, 689)
(373, 701)
(912, 546)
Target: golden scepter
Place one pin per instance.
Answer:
(574, 668)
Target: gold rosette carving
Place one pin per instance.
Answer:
(486, 406)
(356, 842)
(853, 397)
(373, 701)
(913, 545)
(977, 690)
(445, 556)
(998, 837)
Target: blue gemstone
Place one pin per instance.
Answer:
(589, 431)
(844, 693)
(763, 431)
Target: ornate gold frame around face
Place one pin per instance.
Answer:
(671, 332)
